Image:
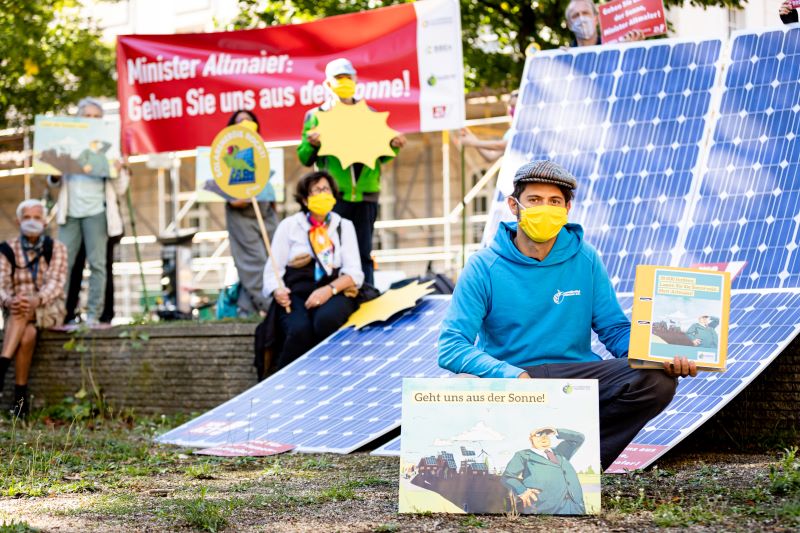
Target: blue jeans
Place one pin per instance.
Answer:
(93, 233)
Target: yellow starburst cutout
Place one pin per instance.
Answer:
(388, 304)
(354, 134)
(240, 161)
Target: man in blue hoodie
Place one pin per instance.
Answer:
(526, 306)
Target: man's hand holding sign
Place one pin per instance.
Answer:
(240, 166)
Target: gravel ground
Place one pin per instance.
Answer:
(354, 493)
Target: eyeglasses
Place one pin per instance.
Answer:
(320, 190)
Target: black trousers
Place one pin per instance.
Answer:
(363, 216)
(305, 328)
(629, 398)
(76, 277)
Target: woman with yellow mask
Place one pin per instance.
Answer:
(316, 253)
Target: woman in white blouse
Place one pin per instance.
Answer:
(317, 256)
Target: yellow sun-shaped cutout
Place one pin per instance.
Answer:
(388, 304)
(354, 134)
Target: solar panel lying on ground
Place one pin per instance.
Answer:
(343, 394)
(390, 449)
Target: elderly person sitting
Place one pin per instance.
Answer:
(317, 257)
(33, 269)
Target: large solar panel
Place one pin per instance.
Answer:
(748, 202)
(343, 394)
(629, 121)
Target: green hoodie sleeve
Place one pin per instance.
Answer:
(306, 152)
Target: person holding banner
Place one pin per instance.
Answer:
(788, 11)
(490, 150)
(359, 184)
(526, 306)
(582, 21)
(88, 214)
(317, 259)
(247, 250)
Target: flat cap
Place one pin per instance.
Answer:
(545, 171)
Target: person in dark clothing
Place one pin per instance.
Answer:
(317, 257)
(76, 277)
(788, 13)
(244, 235)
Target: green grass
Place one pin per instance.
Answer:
(785, 476)
(16, 527)
(683, 515)
(200, 512)
(200, 471)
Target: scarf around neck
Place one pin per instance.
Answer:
(322, 245)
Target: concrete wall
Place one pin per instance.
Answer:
(179, 369)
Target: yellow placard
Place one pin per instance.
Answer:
(657, 331)
(354, 134)
(240, 161)
(389, 303)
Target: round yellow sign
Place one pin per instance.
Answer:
(240, 161)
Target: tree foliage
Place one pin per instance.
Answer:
(50, 57)
(495, 33)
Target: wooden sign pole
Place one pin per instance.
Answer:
(266, 243)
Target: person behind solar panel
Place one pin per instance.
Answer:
(703, 333)
(788, 13)
(582, 20)
(490, 150)
(526, 307)
(316, 252)
(33, 270)
(542, 478)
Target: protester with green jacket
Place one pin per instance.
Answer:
(358, 184)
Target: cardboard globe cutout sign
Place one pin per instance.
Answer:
(240, 161)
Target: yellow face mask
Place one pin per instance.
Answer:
(321, 204)
(343, 87)
(541, 222)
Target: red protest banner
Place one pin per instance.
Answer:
(177, 91)
(619, 17)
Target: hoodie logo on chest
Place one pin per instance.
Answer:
(559, 296)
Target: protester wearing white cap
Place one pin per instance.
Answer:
(526, 307)
(359, 185)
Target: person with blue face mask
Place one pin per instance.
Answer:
(582, 21)
(33, 270)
